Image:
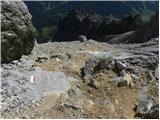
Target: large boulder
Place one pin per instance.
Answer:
(17, 31)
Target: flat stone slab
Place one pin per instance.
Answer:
(29, 87)
(46, 82)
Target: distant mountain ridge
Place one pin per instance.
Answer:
(46, 14)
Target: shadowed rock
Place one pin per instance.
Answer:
(17, 31)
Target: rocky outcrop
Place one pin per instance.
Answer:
(147, 31)
(81, 21)
(143, 32)
(126, 24)
(17, 31)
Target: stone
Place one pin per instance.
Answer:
(42, 58)
(82, 38)
(17, 33)
(156, 73)
(88, 69)
(135, 77)
(74, 92)
(70, 105)
(60, 56)
(123, 81)
(93, 83)
(95, 65)
(106, 102)
(151, 76)
(129, 80)
(105, 63)
(147, 109)
(122, 73)
(119, 65)
(154, 112)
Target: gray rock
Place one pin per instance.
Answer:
(74, 92)
(60, 56)
(123, 81)
(94, 65)
(135, 77)
(156, 74)
(88, 69)
(93, 83)
(19, 92)
(106, 102)
(42, 58)
(17, 33)
(74, 107)
(119, 65)
(82, 38)
(151, 76)
(147, 108)
(122, 73)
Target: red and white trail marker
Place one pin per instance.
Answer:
(33, 79)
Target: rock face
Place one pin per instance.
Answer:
(81, 21)
(146, 31)
(128, 23)
(17, 31)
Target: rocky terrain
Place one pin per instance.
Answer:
(83, 78)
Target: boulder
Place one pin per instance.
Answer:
(119, 65)
(88, 70)
(17, 31)
(156, 74)
(82, 38)
(95, 65)
(123, 81)
(147, 109)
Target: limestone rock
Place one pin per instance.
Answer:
(17, 31)
(82, 38)
(156, 74)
